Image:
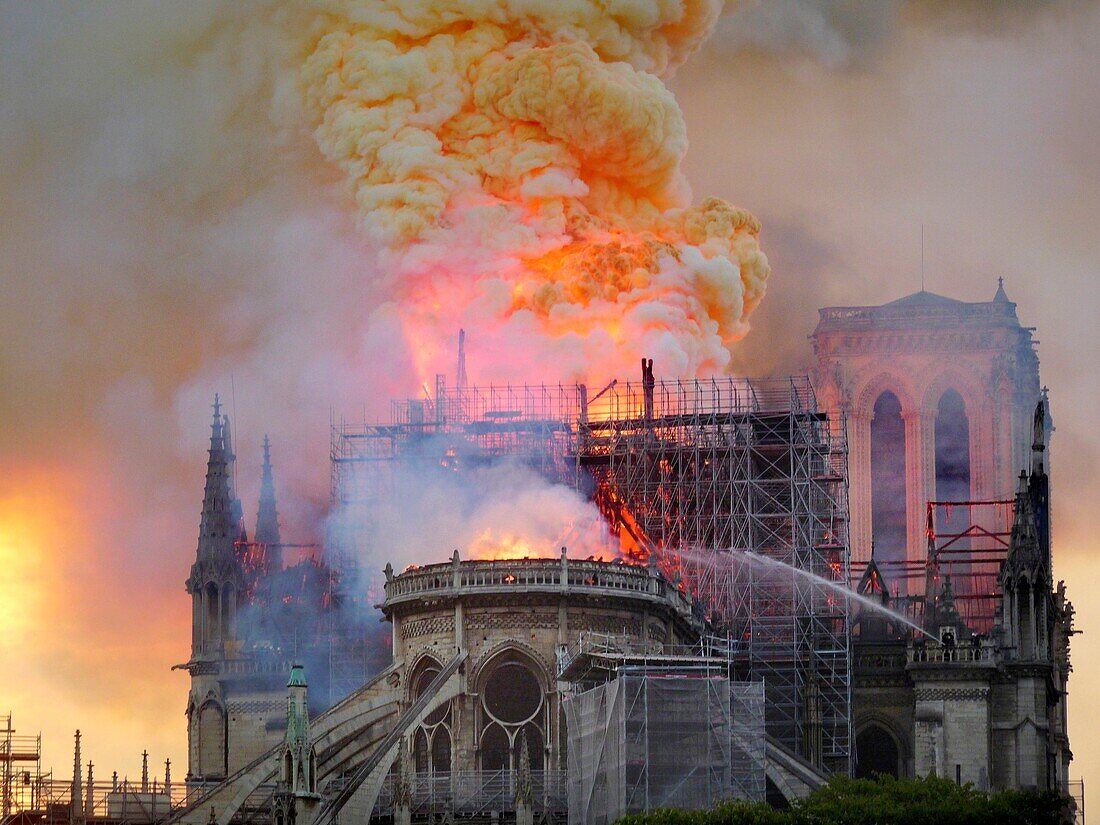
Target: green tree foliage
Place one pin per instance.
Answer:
(883, 801)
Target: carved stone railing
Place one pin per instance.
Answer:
(854, 317)
(960, 654)
(562, 575)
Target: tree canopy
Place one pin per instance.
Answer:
(883, 801)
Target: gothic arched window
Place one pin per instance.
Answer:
(512, 700)
(888, 478)
(432, 740)
(212, 630)
(952, 449)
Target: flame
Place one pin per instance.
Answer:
(519, 163)
(496, 545)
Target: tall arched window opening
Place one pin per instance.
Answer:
(432, 741)
(212, 629)
(888, 478)
(876, 752)
(952, 449)
(953, 479)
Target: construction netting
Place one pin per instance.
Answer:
(647, 741)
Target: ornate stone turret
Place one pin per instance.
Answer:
(216, 577)
(945, 621)
(89, 797)
(215, 584)
(297, 800)
(1025, 553)
(873, 584)
(1026, 574)
(267, 516)
(76, 813)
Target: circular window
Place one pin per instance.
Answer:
(512, 693)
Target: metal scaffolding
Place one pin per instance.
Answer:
(968, 542)
(663, 739)
(688, 474)
(20, 769)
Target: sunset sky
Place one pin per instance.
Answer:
(169, 228)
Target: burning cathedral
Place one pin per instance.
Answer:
(848, 571)
(752, 584)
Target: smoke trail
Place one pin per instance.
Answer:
(520, 163)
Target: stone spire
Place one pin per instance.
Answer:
(145, 771)
(1025, 553)
(216, 572)
(297, 709)
(296, 796)
(267, 516)
(89, 801)
(231, 468)
(77, 791)
(1001, 297)
(218, 528)
(1039, 482)
(946, 613)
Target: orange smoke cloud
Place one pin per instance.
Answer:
(520, 163)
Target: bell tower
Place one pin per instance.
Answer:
(938, 397)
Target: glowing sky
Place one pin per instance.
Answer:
(168, 228)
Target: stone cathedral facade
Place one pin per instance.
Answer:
(923, 382)
(948, 468)
(948, 429)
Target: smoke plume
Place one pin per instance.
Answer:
(520, 164)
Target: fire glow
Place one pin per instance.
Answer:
(519, 164)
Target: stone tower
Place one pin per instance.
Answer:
(938, 397)
(296, 799)
(215, 585)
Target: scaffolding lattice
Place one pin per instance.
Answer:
(688, 473)
(20, 769)
(649, 740)
(968, 542)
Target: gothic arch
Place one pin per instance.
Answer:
(527, 652)
(502, 718)
(870, 390)
(425, 661)
(211, 612)
(888, 755)
(228, 608)
(965, 383)
(211, 746)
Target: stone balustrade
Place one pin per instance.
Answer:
(581, 577)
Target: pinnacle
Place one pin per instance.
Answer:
(267, 516)
(218, 527)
